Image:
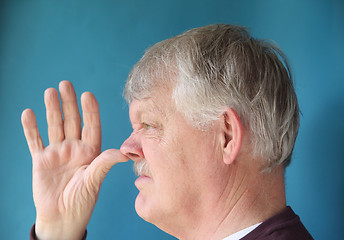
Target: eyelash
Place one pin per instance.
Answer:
(147, 126)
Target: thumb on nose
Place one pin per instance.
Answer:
(100, 166)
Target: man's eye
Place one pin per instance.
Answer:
(146, 126)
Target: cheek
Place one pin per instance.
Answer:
(167, 161)
(171, 182)
(199, 155)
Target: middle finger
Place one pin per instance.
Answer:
(72, 119)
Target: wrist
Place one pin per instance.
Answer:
(59, 230)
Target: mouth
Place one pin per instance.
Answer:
(141, 169)
(142, 180)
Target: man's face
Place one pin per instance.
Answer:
(183, 161)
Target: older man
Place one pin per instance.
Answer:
(214, 117)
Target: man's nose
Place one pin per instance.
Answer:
(132, 147)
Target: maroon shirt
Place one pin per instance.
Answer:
(283, 226)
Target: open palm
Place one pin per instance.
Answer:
(68, 173)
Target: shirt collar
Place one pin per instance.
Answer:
(242, 233)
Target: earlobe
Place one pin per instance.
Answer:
(232, 130)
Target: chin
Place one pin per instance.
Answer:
(142, 207)
(148, 209)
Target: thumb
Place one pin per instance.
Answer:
(100, 166)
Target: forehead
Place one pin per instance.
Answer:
(158, 104)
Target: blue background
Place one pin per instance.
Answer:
(94, 44)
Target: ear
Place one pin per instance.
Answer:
(232, 135)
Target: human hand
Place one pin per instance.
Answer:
(68, 173)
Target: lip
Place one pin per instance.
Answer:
(141, 180)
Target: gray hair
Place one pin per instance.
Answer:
(215, 67)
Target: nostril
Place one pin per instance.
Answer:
(133, 156)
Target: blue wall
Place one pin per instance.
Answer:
(95, 43)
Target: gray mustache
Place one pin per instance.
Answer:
(141, 168)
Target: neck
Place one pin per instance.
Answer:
(250, 197)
